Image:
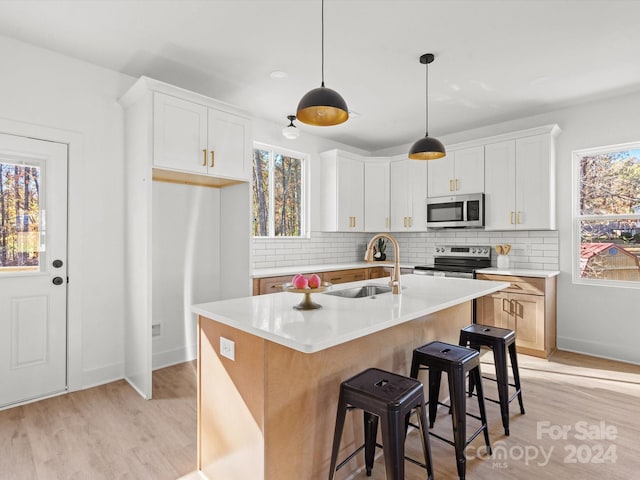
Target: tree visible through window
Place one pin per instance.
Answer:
(278, 193)
(19, 217)
(608, 214)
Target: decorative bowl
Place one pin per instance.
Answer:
(307, 303)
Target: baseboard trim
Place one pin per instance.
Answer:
(601, 350)
(99, 376)
(174, 357)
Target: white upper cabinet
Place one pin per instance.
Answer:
(408, 182)
(342, 192)
(520, 183)
(376, 195)
(196, 138)
(459, 172)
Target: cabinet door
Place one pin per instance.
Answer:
(350, 195)
(440, 176)
(469, 171)
(500, 173)
(229, 145)
(179, 134)
(408, 181)
(528, 318)
(535, 184)
(493, 310)
(376, 196)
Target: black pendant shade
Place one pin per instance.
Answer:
(322, 106)
(427, 148)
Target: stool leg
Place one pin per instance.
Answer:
(458, 417)
(476, 347)
(393, 441)
(516, 374)
(337, 434)
(502, 377)
(426, 444)
(370, 434)
(434, 392)
(481, 406)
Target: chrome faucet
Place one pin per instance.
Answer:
(395, 276)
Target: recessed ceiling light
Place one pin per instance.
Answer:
(278, 74)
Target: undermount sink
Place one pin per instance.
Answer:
(360, 292)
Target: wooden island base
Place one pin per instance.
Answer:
(270, 414)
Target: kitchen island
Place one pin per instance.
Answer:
(269, 412)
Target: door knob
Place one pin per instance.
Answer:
(57, 263)
(58, 281)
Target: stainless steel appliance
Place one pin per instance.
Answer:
(456, 261)
(456, 211)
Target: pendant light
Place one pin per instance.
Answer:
(291, 132)
(427, 148)
(322, 106)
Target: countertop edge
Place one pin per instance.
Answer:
(519, 272)
(293, 269)
(202, 310)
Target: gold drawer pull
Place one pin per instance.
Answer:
(213, 159)
(451, 185)
(204, 157)
(457, 186)
(511, 218)
(518, 220)
(276, 286)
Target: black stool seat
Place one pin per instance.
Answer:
(388, 398)
(456, 361)
(501, 341)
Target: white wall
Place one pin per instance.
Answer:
(38, 87)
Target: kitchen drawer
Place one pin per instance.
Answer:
(344, 276)
(272, 284)
(526, 285)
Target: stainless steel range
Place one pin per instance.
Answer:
(456, 261)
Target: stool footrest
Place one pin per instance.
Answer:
(353, 454)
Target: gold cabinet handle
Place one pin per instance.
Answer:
(204, 157)
(213, 159)
(457, 185)
(451, 185)
(386, 222)
(518, 217)
(511, 218)
(276, 286)
(504, 309)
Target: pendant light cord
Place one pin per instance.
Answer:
(426, 119)
(322, 23)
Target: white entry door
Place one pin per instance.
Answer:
(33, 269)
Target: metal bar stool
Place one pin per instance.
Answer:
(500, 340)
(456, 361)
(389, 398)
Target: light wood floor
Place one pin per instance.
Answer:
(109, 432)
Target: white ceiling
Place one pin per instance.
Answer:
(495, 60)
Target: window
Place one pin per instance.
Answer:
(607, 216)
(19, 217)
(279, 193)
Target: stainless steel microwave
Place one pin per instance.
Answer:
(456, 211)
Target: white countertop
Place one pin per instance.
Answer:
(341, 320)
(325, 267)
(519, 272)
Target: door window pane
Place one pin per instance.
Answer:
(19, 217)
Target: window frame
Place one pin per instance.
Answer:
(305, 194)
(578, 217)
